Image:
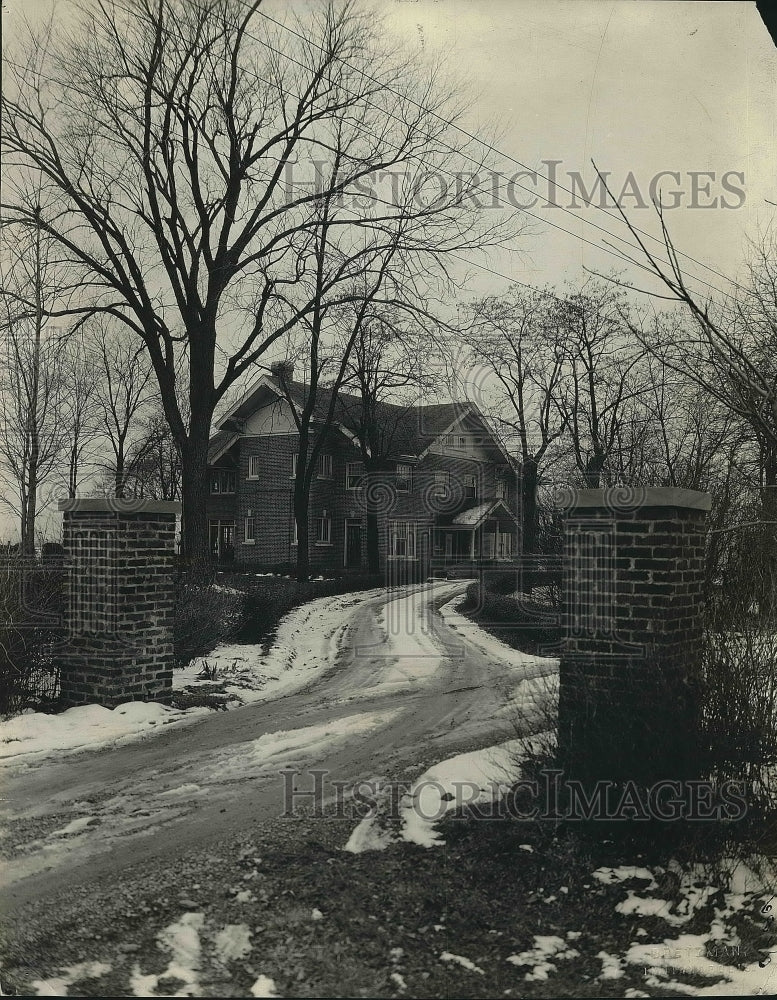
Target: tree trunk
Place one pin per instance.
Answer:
(194, 532)
(767, 598)
(301, 514)
(592, 475)
(529, 476)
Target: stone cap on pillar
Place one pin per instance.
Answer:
(113, 505)
(631, 498)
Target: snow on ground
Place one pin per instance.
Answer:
(480, 776)
(669, 962)
(307, 642)
(35, 734)
(57, 987)
(530, 681)
(541, 959)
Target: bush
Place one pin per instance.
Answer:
(522, 623)
(205, 616)
(31, 606)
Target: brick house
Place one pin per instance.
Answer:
(449, 496)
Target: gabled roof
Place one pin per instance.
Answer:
(473, 517)
(414, 427)
(220, 442)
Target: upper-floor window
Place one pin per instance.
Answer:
(471, 487)
(354, 474)
(253, 466)
(462, 441)
(250, 530)
(294, 458)
(404, 478)
(223, 481)
(441, 484)
(325, 467)
(324, 530)
(501, 488)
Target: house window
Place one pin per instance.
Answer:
(250, 531)
(441, 484)
(323, 530)
(402, 539)
(447, 440)
(471, 487)
(253, 466)
(462, 442)
(294, 458)
(501, 488)
(223, 481)
(294, 538)
(325, 467)
(354, 473)
(404, 478)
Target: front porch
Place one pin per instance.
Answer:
(481, 534)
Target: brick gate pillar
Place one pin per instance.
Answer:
(632, 619)
(119, 608)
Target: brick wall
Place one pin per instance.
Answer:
(632, 618)
(119, 606)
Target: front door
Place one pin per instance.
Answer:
(222, 540)
(448, 544)
(353, 544)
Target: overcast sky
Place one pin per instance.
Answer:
(641, 87)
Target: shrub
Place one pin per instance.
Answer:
(31, 605)
(205, 616)
(524, 624)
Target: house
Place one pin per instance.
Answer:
(447, 494)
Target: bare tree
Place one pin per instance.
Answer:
(520, 343)
(174, 136)
(79, 413)
(31, 379)
(123, 387)
(600, 384)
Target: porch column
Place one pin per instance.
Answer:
(472, 545)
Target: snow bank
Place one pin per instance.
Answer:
(36, 734)
(479, 776)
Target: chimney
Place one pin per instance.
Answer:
(283, 370)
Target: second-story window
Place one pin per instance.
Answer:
(223, 481)
(404, 478)
(325, 467)
(501, 488)
(471, 487)
(354, 474)
(253, 467)
(294, 458)
(441, 485)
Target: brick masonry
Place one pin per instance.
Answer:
(632, 619)
(119, 607)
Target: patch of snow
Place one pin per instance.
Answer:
(182, 940)
(610, 876)
(233, 942)
(687, 954)
(57, 987)
(461, 960)
(37, 734)
(546, 947)
(316, 914)
(479, 776)
(399, 980)
(612, 967)
(74, 826)
(264, 987)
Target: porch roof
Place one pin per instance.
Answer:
(473, 517)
